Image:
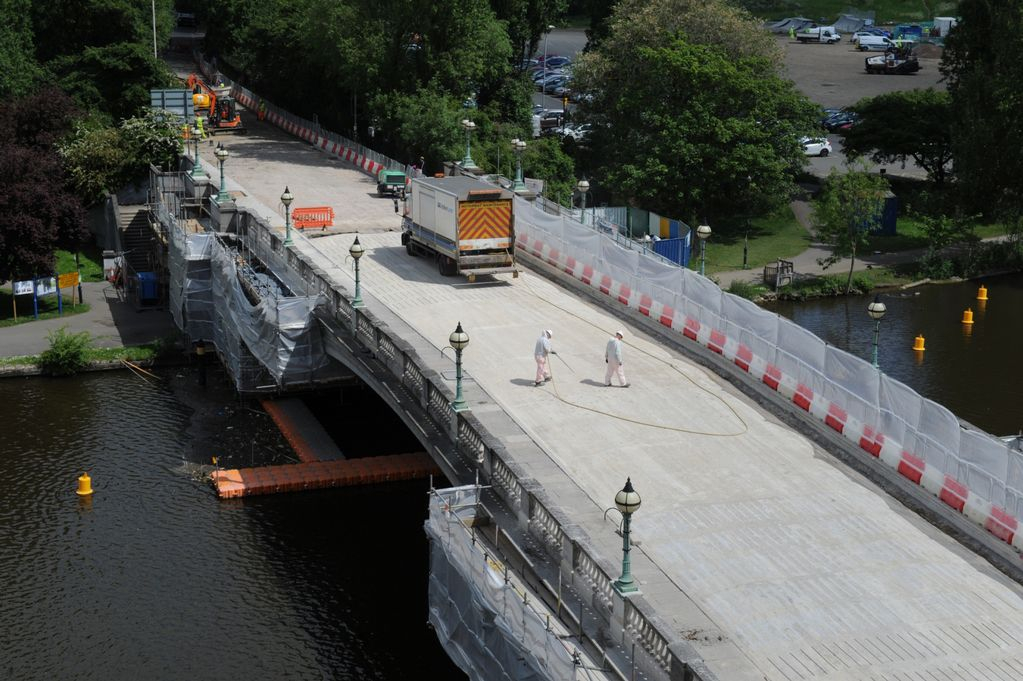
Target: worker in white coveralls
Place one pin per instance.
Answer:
(541, 353)
(615, 361)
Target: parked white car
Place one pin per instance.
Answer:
(816, 146)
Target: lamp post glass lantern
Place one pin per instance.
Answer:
(876, 311)
(458, 340)
(469, 126)
(286, 199)
(703, 232)
(197, 171)
(222, 154)
(519, 146)
(583, 186)
(628, 501)
(356, 250)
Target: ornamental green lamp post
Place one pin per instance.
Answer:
(458, 340)
(197, 171)
(583, 186)
(703, 231)
(356, 250)
(519, 146)
(286, 199)
(627, 501)
(876, 311)
(469, 126)
(222, 154)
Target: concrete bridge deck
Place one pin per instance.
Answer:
(774, 560)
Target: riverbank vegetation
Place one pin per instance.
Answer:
(70, 353)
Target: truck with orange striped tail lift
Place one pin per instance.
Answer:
(468, 226)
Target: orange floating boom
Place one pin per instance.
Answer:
(245, 482)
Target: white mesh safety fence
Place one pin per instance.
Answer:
(923, 440)
(484, 623)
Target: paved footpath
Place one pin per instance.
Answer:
(772, 559)
(111, 322)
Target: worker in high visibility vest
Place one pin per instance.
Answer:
(199, 127)
(261, 113)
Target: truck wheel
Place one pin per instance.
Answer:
(380, 190)
(446, 266)
(410, 249)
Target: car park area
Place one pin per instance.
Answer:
(833, 75)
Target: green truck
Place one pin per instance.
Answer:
(390, 182)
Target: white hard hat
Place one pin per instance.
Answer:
(620, 333)
(550, 334)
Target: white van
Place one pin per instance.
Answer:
(874, 42)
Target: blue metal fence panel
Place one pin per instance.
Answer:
(675, 250)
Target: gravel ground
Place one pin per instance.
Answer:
(833, 75)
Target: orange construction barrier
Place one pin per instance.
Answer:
(320, 216)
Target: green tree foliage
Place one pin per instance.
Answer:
(982, 65)
(679, 127)
(114, 79)
(651, 23)
(101, 51)
(423, 124)
(102, 158)
(847, 209)
(907, 124)
(545, 159)
(19, 71)
(38, 214)
(66, 355)
(527, 22)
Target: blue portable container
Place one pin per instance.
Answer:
(147, 286)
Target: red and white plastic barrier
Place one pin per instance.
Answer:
(950, 491)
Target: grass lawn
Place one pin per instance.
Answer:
(772, 237)
(886, 11)
(911, 234)
(91, 259)
(47, 308)
(135, 353)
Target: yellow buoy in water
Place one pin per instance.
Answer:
(84, 485)
(968, 316)
(982, 293)
(918, 344)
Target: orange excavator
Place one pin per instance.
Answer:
(224, 116)
(221, 108)
(203, 97)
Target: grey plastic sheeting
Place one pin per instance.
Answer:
(208, 304)
(481, 621)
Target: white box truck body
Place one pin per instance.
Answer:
(468, 226)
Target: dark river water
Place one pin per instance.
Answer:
(155, 578)
(975, 371)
